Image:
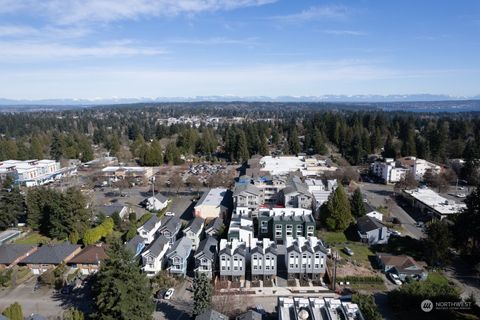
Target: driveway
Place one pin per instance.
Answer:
(377, 195)
(41, 301)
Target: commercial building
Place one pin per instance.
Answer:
(114, 173)
(32, 173)
(213, 204)
(431, 203)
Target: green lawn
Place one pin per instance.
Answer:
(437, 278)
(33, 238)
(332, 238)
(361, 252)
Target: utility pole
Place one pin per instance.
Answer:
(335, 270)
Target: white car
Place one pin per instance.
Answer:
(461, 195)
(169, 214)
(169, 294)
(395, 279)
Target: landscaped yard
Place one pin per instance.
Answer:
(34, 238)
(332, 238)
(437, 278)
(361, 253)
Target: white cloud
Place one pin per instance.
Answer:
(65, 12)
(344, 32)
(316, 13)
(16, 30)
(215, 41)
(32, 51)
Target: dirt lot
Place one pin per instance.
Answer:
(346, 268)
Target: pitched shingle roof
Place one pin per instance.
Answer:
(109, 210)
(250, 315)
(182, 248)
(136, 245)
(51, 254)
(211, 315)
(250, 188)
(366, 224)
(150, 224)
(171, 224)
(195, 225)
(157, 246)
(214, 225)
(207, 247)
(11, 252)
(90, 255)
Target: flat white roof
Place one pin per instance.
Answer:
(435, 201)
(107, 169)
(213, 197)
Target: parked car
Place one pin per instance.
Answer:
(169, 214)
(395, 232)
(169, 294)
(260, 309)
(461, 195)
(394, 278)
(160, 294)
(348, 251)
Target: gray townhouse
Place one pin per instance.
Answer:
(247, 196)
(296, 194)
(306, 258)
(169, 228)
(194, 231)
(263, 260)
(279, 223)
(205, 256)
(233, 260)
(178, 256)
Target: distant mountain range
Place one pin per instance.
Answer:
(227, 98)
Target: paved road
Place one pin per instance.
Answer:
(40, 301)
(377, 195)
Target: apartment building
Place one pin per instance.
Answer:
(296, 194)
(279, 223)
(32, 173)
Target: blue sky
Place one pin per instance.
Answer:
(166, 48)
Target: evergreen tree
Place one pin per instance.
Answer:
(121, 291)
(437, 244)
(293, 142)
(357, 204)
(12, 207)
(242, 147)
(467, 225)
(389, 150)
(202, 294)
(13, 312)
(56, 148)
(335, 213)
(73, 314)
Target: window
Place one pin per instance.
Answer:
(264, 226)
(289, 229)
(278, 231)
(310, 230)
(316, 266)
(299, 230)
